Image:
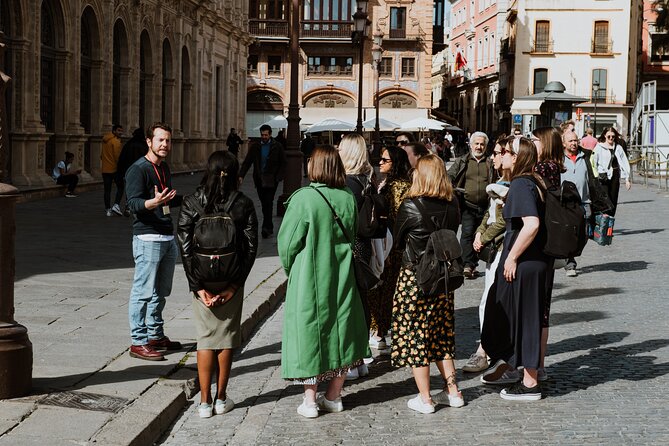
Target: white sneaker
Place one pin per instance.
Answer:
(117, 210)
(326, 405)
(363, 370)
(352, 374)
(447, 399)
(419, 405)
(571, 273)
(379, 344)
(475, 363)
(205, 410)
(307, 410)
(108, 212)
(221, 407)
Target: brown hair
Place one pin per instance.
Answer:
(526, 158)
(430, 179)
(551, 139)
(325, 167)
(157, 125)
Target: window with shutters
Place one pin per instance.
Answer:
(542, 42)
(601, 43)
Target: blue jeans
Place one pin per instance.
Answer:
(154, 269)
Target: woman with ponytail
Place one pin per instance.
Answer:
(217, 217)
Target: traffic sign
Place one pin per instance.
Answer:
(517, 119)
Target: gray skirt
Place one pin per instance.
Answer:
(219, 327)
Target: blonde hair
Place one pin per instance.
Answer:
(353, 154)
(430, 179)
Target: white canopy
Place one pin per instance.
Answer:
(385, 125)
(526, 106)
(332, 125)
(421, 124)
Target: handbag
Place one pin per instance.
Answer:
(490, 249)
(364, 274)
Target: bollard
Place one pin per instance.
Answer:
(16, 353)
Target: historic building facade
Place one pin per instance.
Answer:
(329, 60)
(79, 66)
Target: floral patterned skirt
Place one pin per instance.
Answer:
(325, 376)
(423, 326)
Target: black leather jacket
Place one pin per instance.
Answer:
(244, 215)
(274, 169)
(411, 230)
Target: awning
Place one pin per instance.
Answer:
(526, 106)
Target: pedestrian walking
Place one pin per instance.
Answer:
(394, 164)
(63, 174)
(269, 162)
(490, 236)
(324, 331)
(233, 142)
(218, 237)
(111, 151)
(511, 334)
(588, 142)
(150, 195)
(423, 325)
(612, 165)
(470, 174)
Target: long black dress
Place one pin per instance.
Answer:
(513, 313)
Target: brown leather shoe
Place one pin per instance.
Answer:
(145, 352)
(164, 344)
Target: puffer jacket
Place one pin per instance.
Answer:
(243, 214)
(411, 231)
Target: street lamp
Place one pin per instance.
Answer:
(377, 50)
(360, 22)
(595, 89)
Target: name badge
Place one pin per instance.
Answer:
(166, 210)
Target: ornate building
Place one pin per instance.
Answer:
(79, 66)
(329, 61)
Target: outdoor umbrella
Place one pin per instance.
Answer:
(330, 125)
(422, 124)
(384, 125)
(277, 122)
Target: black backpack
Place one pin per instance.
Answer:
(564, 220)
(440, 269)
(373, 213)
(215, 244)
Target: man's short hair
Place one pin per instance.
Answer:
(478, 135)
(589, 131)
(69, 155)
(266, 128)
(116, 127)
(565, 125)
(157, 125)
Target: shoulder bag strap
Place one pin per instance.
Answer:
(423, 213)
(334, 214)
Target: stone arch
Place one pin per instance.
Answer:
(264, 99)
(186, 88)
(146, 71)
(167, 86)
(397, 98)
(120, 73)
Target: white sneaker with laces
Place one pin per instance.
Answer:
(205, 410)
(475, 363)
(379, 344)
(117, 210)
(446, 398)
(221, 407)
(326, 405)
(419, 405)
(307, 410)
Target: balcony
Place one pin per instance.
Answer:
(601, 47)
(326, 29)
(268, 28)
(542, 47)
(508, 48)
(400, 33)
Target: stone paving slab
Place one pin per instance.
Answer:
(608, 366)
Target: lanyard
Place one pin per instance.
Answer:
(161, 182)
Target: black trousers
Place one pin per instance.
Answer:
(612, 187)
(471, 219)
(107, 179)
(70, 181)
(266, 195)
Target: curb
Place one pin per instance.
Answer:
(149, 416)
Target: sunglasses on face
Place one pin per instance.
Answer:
(385, 160)
(403, 142)
(610, 136)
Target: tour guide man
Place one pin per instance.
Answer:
(149, 193)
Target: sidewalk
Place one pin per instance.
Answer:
(74, 271)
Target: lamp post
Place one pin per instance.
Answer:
(360, 22)
(377, 50)
(595, 90)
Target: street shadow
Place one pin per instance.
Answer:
(584, 293)
(606, 364)
(635, 202)
(618, 267)
(259, 351)
(576, 317)
(238, 370)
(619, 232)
(586, 342)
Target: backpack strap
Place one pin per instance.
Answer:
(231, 200)
(336, 217)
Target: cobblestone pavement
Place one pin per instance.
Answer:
(608, 366)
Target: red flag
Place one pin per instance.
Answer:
(460, 61)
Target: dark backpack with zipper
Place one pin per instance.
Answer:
(215, 244)
(373, 212)
(440, 269)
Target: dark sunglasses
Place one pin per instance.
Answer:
(403, 142)
(385, 160)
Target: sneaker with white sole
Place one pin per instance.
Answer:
(307, 410)
(326, 405)
(379, 344)
(108, 212)
(205, 410)
(520, 392)
(419, 405)
(352, 374)
(495, 371)
(511, 376)
(223, 406)
(475, 363)
(117, 210)
(363, 370)
(571, 273)
(447, 399)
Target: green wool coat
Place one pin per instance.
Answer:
(324, 323)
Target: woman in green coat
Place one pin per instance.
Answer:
(324, 330)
